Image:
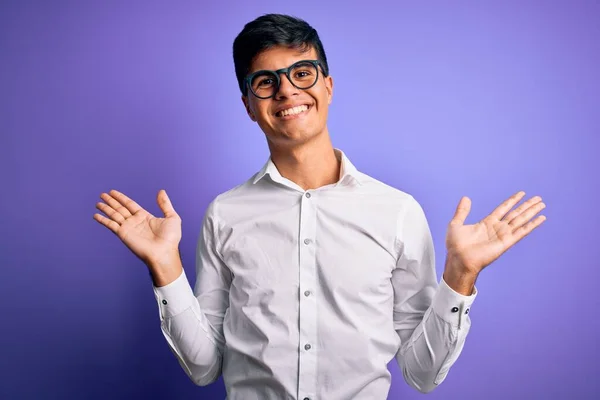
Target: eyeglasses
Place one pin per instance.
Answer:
(265, 83)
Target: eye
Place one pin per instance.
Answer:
(265, 82)
(304, 72)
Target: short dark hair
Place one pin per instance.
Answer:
(272, 30)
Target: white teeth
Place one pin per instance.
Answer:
(293, 111)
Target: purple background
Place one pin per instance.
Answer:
(459, 98)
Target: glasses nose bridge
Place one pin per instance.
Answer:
(285, 72)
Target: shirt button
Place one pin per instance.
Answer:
(307, 195)
(307, 293)
(307, 347)
(467, 311)
(306, 398)
(454, 309)
(307, 241)
(164, 302)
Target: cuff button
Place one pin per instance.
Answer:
(454, 309)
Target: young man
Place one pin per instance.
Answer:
(311, 276)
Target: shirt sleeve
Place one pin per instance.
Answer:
(431, 320)
(192, 321)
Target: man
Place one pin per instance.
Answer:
(311, 276)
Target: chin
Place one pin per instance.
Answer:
(291, 138)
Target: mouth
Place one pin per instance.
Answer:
(294, 112)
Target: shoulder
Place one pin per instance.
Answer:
(233, 200)
(405, 206)
(375, 187)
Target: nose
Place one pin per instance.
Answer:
(286, 89)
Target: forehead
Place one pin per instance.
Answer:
(281, 57)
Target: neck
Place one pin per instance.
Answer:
(309, 165)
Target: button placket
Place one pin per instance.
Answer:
(308, 311)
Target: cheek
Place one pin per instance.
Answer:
(262, 111)
(323, 93)
(323, 101)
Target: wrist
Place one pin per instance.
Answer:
(459, 278)
(166, 268)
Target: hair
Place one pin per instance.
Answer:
(272, 30)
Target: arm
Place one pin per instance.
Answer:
(431, 320)
(192, 321)
(433, 323)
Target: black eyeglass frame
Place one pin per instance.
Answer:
(286, 71)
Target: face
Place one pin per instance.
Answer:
(282, 129)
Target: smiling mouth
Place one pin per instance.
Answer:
(293, 112)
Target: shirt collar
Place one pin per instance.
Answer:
(347, 171)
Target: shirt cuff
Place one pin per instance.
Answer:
(174, 298)
(452, 306)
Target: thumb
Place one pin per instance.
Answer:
(462, 211)
(165, 203)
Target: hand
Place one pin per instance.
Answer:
(473, 247)
(150, 238)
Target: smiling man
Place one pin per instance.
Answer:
(312, 276)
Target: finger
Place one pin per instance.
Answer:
(462, 211)
(115, 216)
(517, 211)
(131, 205)
(526, 229)
(518, 221)
(109, 223)
(165, 203)
(509, 203)
(115, 205)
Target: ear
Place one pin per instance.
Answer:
(248, 109)
(329, 87)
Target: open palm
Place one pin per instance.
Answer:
(150, 238)
(478, 245)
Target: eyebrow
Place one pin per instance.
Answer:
(273, 70)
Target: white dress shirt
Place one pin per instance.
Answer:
(309, 294)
